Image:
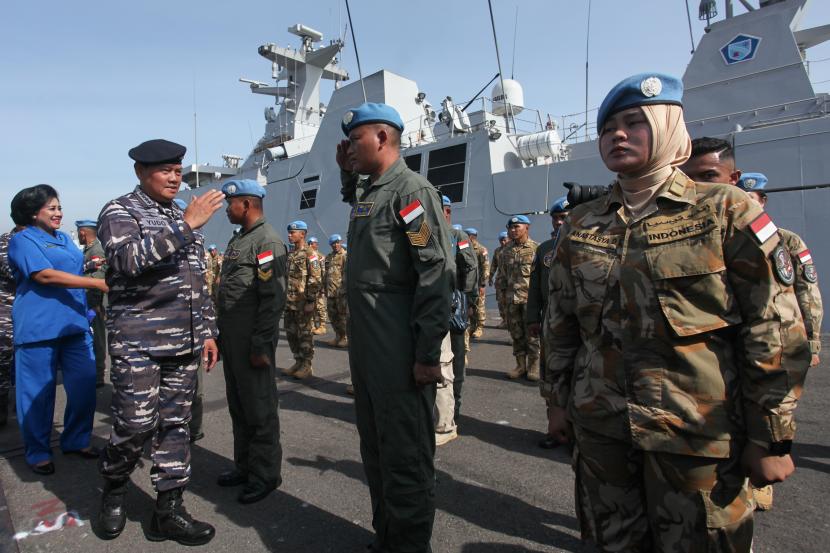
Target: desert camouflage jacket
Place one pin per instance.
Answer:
(517, 260)
(806, 286)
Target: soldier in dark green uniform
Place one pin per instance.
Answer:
(400, 268)
(95, 266)
(250, 300)
(537, 296)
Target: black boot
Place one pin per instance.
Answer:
(113, 515)
(171, 521)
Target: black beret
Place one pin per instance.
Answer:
(158, 151)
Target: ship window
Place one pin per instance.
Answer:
(446, 171)
(312, 178)
(308, 198)
(413, 162)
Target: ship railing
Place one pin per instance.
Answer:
(820, 103)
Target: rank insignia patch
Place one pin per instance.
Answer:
(421, 238)
(264, 276)
(783, 265)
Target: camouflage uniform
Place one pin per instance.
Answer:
(159, 316)
(669, 342)
(497, 268)
(95, 301)
(304, 282)
(7, 286)
(537, 294)
(466, 280)
(806, 287)
(518, 260)
(213, 268)
(320, 312)
(479, 308)
(335, 294)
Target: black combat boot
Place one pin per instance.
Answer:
(113, 516)
(171, 521)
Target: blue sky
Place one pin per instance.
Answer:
(82, 82)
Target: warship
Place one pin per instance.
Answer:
(746, 82)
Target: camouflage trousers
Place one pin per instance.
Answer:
(523, 342)
(320, 312)
(298, 329)
(99, 344)
(501, 300)
(338, 311)
(479, 314)
(151, 399)
(444, 394)
(6, 355)
(643, 501)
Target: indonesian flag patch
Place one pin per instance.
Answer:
(265, 257)
(763, 228)
(805, 257)
(410, 212)
(463, 245)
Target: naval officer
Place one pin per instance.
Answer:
(160, 321)
(250, 300)
(400, 267)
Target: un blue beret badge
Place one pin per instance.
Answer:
(651, 87)
(231, 189)
(348, 117)
(750, 183)
(783, 266)
(810, 273)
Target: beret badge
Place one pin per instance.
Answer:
(651, 87)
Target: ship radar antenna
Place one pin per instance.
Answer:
(498, 61)
(356, 55)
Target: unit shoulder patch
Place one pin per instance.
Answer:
(810, 273)
(420, 238)
(410, 212)
(783, 265)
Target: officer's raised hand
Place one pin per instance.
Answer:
(343, 156)
(427, 374)
(202, 208)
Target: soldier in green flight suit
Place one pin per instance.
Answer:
(250, 300)
(400, 268)
(95, 266)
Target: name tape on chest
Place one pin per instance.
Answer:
(265, 257)
(421, 238)
(763, 228)
(805, 257)
(410, 212)
(597, 239)
(361, 209)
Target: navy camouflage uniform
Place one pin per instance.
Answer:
(7, 286)
(159, 316)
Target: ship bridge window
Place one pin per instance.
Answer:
(312, 178)
(413, 162)
(446, 170)
(308, 198)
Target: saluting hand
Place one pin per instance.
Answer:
(343, 156)
(202, 208)
(427, 374)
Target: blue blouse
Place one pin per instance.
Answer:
(45, 312)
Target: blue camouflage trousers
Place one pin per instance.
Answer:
(151, 399)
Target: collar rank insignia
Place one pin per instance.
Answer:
(421, 238)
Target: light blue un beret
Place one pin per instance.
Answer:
(457, 227)
(312, 240)
(298, 225)
(640, 90)
(371, 113)
(471, 231)
(84, 223)
(445, 201)
(560, 205)
(212, 247)
(752, 181)
(503, 234)
(518, 220)
(243, 187)
(334, 238)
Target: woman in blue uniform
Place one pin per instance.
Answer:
(51, 329)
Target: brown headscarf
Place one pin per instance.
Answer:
(671, 147)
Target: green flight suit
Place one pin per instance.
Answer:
(249, 304)
(537, 293)
(95, 301)
(400, 268)
(466, 279)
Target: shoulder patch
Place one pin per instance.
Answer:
(805, 257)
(763, 228)
(265, 257)
(410, 212)
(548, 259)
(463, 245)
(783, 266)
(361, 209)
(421, 238)
(810, 273)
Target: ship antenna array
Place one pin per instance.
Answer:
(356, 55)
(498, 60)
